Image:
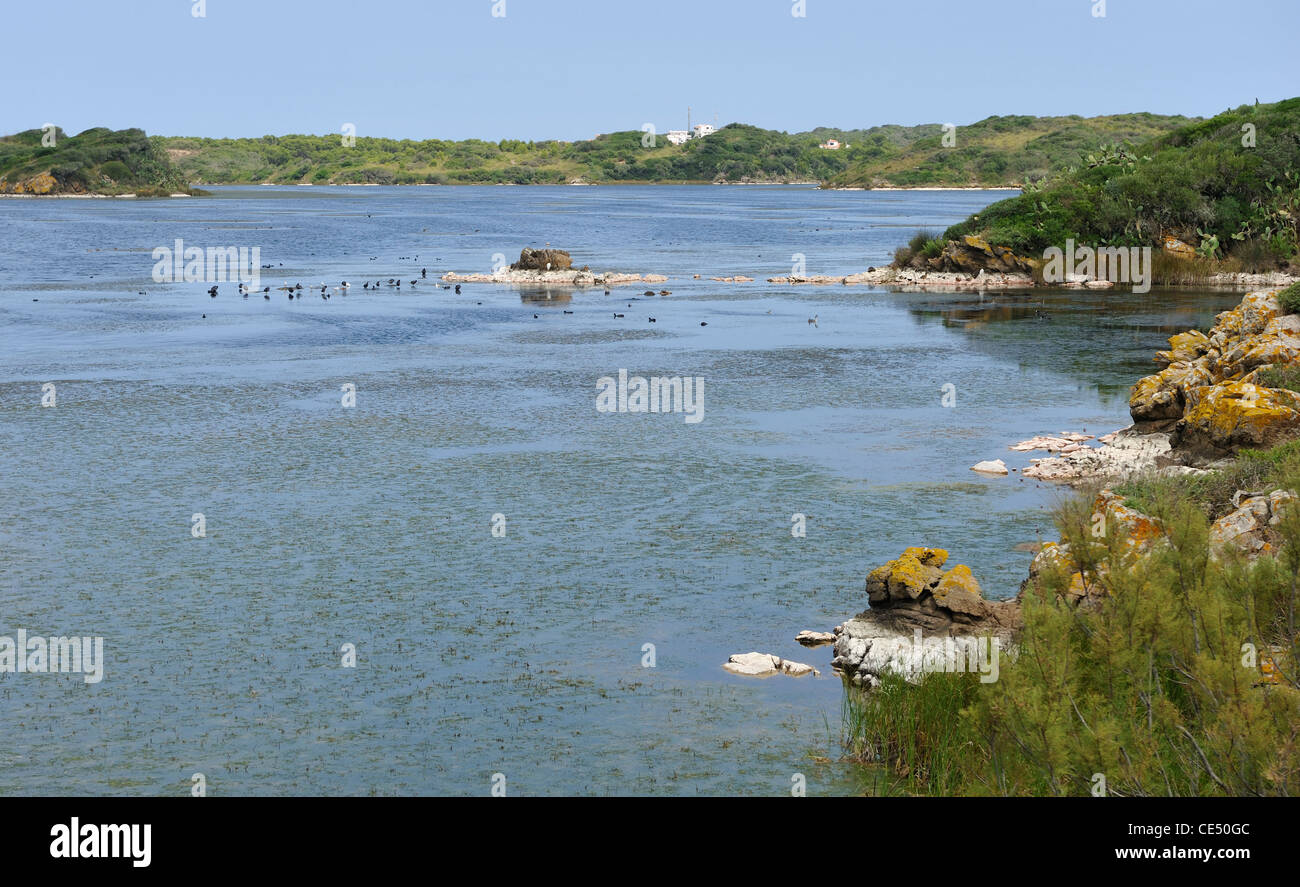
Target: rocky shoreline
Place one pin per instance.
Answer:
(1207, 403)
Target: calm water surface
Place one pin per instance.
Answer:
(371, 526)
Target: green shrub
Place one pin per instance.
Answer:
(1287, 377)
(118, 172)
(1289, 299)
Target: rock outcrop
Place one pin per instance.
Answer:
(761, 665)
(1208, 394)
(551, 267)
(914, 591)
(569, 278)
(1250, 529)
(1251, 526)
(910, 279)
(1126, 452)
(40, 184)
(915, 602)
(1110, 517)
(815, 638)
(972, 254)
(543, 260)
(1231, 415)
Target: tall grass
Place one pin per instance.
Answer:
(915, 732)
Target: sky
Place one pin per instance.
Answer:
(570, 69)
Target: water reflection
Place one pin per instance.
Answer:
(1105, 340)
(546, 295)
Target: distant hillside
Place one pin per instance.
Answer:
(997, 151)
(735, 153)
(97, 161)
(1228, 186)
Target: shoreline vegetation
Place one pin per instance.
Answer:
(1215, 199)
(1158, 638)
(1157, 642)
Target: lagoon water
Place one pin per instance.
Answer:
(479, 655)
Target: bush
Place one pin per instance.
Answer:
(923, 245)
(1289, 299)
(1287, 377)
(118, 172)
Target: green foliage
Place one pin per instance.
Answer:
(923, 245)
(997, 151)
(98, 160)
(1289, 299)
(1199, 183)
(1287, 377)
(1211, 493)
(734, 153)
(911, 729)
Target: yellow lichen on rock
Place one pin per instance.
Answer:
(959, 592)
(1164, 395)
(1237, 414)
(38, 184)
(1207, 394)
(931, 557)
(1135, 528)
(1184, 348)
(912, 592)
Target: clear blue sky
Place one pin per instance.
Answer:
(568, 69)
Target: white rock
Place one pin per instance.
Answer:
(1127, 453)
(797, 669)
(996, 466)
(815, 638)
(761, 665)
(757, 665)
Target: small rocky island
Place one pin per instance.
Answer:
(554, 267)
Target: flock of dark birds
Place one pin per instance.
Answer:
(298, 291)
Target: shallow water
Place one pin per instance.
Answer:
(479, 655)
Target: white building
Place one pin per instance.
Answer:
(830, 145)
(677, 136)
(704, 129)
